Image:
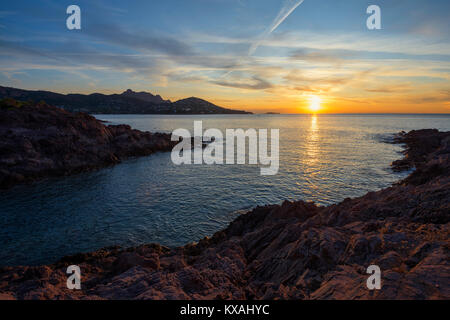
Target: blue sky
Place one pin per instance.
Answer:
(180, 48)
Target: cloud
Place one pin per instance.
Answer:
(288, 63)
(288, 7)
(408, 44)
(320, 56)
(114, 34)
(310, 89)
(168, 47)
(14, 49)
(296, 76)
(255, 84)
(296, 80)
(390, 88)
(145, 53)
(442, 96)
(74, 54)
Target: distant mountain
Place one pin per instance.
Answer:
(144, 96)
(199, 105)
(128, 102)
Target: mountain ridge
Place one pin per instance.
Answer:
(128, 102)
(144, 96)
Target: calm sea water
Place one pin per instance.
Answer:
(323, 158)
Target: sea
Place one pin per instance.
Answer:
(323, 158)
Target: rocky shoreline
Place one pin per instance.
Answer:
(40, 141)
(296, 250)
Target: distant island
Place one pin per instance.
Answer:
(128, 102)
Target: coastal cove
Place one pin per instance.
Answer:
(324, 158)
(295, 250)
(219, 159)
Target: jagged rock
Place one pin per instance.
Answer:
(293, 251)
(41, 141)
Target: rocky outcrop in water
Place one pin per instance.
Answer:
(296, 250)
(39, 141)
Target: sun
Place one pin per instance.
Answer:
(314, 103)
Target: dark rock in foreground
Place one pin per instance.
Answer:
(39, 141)
(294, 251)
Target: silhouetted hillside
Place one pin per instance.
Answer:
(129, 102)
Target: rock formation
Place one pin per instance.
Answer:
(296, 250)
(39, 141)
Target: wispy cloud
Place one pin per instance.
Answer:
(255, 84)
(114, 34)
(356, 41)
(268, 67)
(390, 88)
(319, 56)
(288, 7)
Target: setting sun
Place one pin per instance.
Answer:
(314, 105)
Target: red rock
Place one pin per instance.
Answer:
(40, 141)
(293, 251)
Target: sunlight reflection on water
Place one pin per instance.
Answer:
(323, 158)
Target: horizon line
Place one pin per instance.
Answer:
(234, 108)
(354, 113)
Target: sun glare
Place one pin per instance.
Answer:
(314, 103)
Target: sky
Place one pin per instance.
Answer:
(287, 56)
